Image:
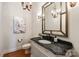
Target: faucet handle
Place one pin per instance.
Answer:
(55, 39)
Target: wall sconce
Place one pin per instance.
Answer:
(72, 4)
(39, 15)
(26, 5)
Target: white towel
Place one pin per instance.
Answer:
(69, 53)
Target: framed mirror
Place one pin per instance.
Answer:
(55, 19)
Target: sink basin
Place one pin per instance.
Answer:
(44, 41)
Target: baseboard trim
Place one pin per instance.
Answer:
(7, 51)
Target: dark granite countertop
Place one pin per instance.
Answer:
(58, 48)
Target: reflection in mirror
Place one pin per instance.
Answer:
(55, 19)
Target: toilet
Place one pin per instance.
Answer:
(26, 46)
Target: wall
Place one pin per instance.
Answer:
(10, 39)
(36, 10)
(73, 19)
(0, 27)
(73, 26)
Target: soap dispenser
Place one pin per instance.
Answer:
(55, 39)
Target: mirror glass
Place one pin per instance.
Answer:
(54, 20)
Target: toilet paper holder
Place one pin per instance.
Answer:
(20, 40)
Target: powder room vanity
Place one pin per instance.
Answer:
(54, 23)
(53, 49)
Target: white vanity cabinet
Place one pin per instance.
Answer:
(39, 51)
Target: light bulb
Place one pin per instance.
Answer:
(30, 3)
(39, 15)
(58, 10)
(43, 15)
(51, 11)
(54, 14)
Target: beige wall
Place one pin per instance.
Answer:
(0, 28)
(36, 9)
(73, 26)
(9, 10)
(73, 18)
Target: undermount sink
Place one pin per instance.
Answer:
(44, 41)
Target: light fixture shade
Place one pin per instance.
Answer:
(72, 4)
(26, 5)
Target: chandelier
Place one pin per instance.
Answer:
(55, 11)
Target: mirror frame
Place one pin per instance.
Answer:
(66, 23)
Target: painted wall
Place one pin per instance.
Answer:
(73, 18)
(0, 28)
(10, 39)
(36, 10)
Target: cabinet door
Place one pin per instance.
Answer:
(39, 51)
(36, 52)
